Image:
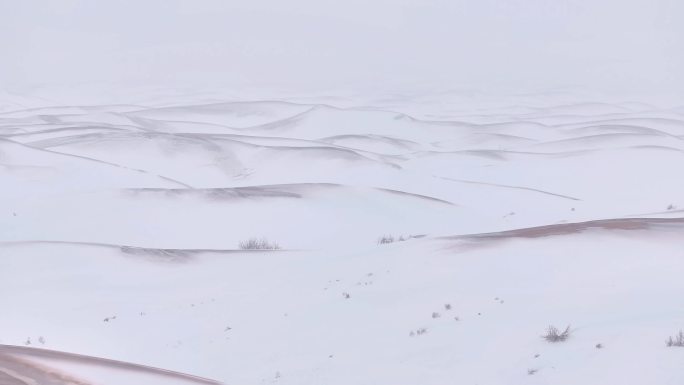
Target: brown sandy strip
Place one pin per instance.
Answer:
(575, 228)
(16, 371)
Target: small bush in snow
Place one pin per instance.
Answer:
(258, 244)
(678, 340)
(386, 239)
(436, 315)
(555, 335)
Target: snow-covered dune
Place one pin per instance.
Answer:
(442, 307)
(234, 114)
(421, 241)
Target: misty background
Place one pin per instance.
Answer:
(608, 45)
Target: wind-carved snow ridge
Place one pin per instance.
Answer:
(402, 240)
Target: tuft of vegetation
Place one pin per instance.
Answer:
(555, 335)
(259, 244)
(677, 340)
(387, 239)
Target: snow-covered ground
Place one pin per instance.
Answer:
(121, 226)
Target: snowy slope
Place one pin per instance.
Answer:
(121, 224)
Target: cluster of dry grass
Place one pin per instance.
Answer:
(259, 244)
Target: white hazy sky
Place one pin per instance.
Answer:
(613, 44)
